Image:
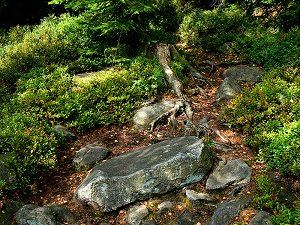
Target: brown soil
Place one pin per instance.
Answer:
(57, 187)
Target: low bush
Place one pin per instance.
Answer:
(101, 98)
(48, 96)
(268, 198)
(269, 47)
(54, 41)
(269, 114)
(31, 144)
(212, 28)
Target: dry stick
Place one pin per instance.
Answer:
(193, 71)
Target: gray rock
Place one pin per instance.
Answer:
(88, 156)
(234, 172)
(45, 215)
(228, 89)
(185, 218)
(243, 73)
(148, 222)
(226, 211)
(64, 132)
(144, 173)
(195, 196)
(8, 211)
(165, 207)
(6, 174)
(261, 218)
(147, 114)
(136, 214)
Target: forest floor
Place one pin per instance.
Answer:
(58, 186)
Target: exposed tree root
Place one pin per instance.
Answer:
(202, 128)
(169, 114)
(225, 63)
(164, 57)
(193, 71)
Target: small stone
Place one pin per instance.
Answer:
(88, 156)
(165, 207)
(195, 196)
(136, 214)
(50, 215)
(234, 172)
(64, 132)
(261, 218)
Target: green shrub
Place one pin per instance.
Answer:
(32, 144)
(103, 98)
(268, 198)
(212, 28)
(269, 47)
(269, 114)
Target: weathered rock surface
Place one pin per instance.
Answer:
(243, 73)
(226, 211)
(185, 218)
(136, 214)
(8, 211)
(230, 87)
(261, 218)
(195, 196)
(64, 132)
(45, 215)
(147, 114)
(234, 172)
(141, 174)
(88, 156)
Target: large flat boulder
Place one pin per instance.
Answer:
(139, 175)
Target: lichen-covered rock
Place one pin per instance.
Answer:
(88, 156)
(243, 73)
(141, 174)
(136, 214)
(195, 196)
(228, 89)
(233, 172)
